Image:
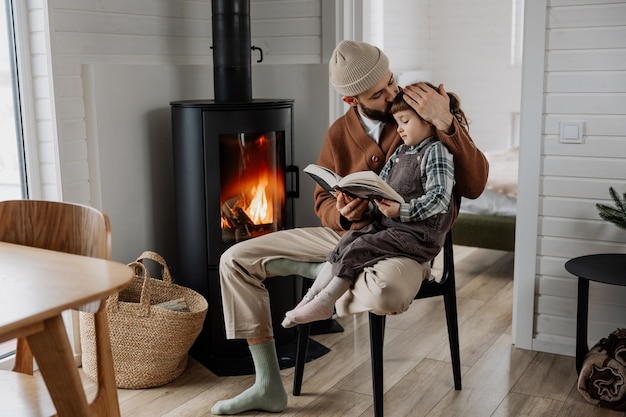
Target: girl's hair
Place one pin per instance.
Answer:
(455, 105)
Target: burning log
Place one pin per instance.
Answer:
(237, 224)
(234, 216)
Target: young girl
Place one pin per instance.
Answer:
(422, 171)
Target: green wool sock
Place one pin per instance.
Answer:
(267, 393)
(283, 267)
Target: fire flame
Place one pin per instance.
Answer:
(259, 211)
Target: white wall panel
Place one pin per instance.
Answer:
(299, 27)
(557, 286)
(589, 60)
(593, 146)
(76, 149)
(36, 101)
(284, 9)
(613, 167)
(569, 208)
(90, 22)
(555, 3)
(99, 46)
(174, 8)
(554, 325)
(566, 248)
(586, 103)
(578, 229)
(579, 187)
(595, 125)
(584, 38)
(586, 82)
(587, 15)
(163, 32)
(556, 306)
(585, 79)
(155, 33)
(70, 86)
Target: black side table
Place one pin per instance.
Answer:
(609, 268)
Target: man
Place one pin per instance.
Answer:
(362, 139)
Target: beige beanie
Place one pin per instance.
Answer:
(356, 67)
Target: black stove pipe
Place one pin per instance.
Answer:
(232, 79)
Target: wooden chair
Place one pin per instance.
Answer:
(445, 287)
(75, 229)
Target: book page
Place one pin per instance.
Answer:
(323, 176)
(361, 184)
(367, 184)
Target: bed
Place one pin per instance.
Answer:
(489, 221)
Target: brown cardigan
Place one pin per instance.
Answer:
(347, 148)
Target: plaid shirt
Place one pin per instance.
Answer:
(437, 176)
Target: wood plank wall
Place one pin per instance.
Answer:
(585, 79)
(177, 32)
(37, 114)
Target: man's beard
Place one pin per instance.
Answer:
(381, 116)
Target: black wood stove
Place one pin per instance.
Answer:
(234, 180)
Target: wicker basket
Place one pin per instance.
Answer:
(150, 344)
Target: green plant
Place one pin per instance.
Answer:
(617, 214)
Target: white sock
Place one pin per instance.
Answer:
(320, 308)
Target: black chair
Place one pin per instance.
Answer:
(431, 288)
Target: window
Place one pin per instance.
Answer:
(517, 33)
(12, 172)
(12, 167)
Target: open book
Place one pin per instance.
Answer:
(362, 184)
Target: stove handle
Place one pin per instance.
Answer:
(294, 193)
(256, 48)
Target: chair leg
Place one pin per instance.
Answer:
(303, 343)
(106, 401)
(453, 337)
(377, 338)
(23, 358)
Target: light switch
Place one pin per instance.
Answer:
(571, 131)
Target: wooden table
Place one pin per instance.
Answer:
(36, 286)
(607, 268)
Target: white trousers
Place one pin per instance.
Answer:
(388, 287)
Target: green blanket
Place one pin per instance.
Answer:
(491, 232)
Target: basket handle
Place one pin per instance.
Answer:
(144, 301)
(165, 273)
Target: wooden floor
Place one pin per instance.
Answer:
(498, 379)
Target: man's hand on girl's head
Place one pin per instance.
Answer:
(432, 105)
